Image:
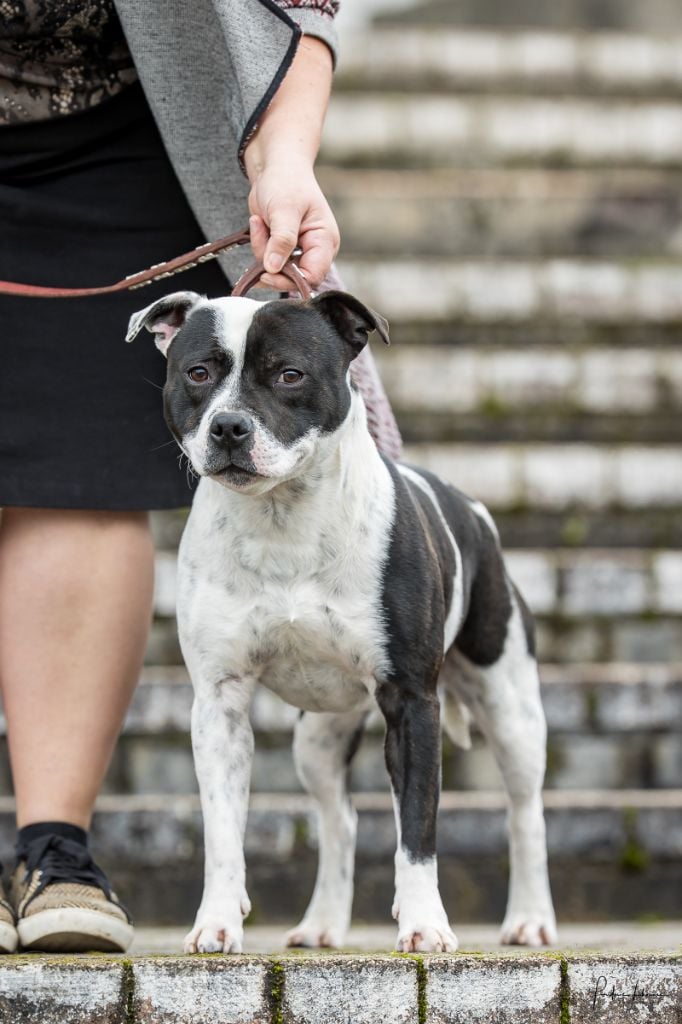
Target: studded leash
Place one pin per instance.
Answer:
(202, 254)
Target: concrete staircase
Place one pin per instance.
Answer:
(508, 188)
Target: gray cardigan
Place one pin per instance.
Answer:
(209, 69)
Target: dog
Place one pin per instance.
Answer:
(341, 581)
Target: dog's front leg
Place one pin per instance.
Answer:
(222, 740)
(413, 761)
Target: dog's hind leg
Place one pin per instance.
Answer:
(324, 745)
(504, 699)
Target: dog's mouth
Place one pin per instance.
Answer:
(236, 476)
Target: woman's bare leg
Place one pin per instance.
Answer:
(75, 604)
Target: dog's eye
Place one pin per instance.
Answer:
(290, 377)
(199, 375)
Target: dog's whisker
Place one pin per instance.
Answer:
(159, 387)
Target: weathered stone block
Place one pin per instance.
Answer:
(587, 761)
(667, 568)
(462, 990)
(655, 703)
(159, 767)
(162, 703)
(536, 576)
(165, 582)
(646, 476)
(668, 761)
(604, 586)
(340, 990)
(224, 990)
(647, 641)
(55, 991)
(625, 990)
(559, 475)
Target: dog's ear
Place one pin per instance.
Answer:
(351, 318)
(163, 318)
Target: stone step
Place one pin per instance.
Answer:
(309, 988)
(646, 638)
(580, 583)
(589, 291)
(593, 528)
(562, 582)
(540, 62)
(439, 129)
(660, 17)
(458, 331)
(441, 393)
(612, 853)
(539, 528)
(620, 724)
(506, 212)
(559, 477)
(612, 698)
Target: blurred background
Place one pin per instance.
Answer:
(507, 178)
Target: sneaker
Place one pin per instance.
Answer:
(63, 901)
(9, 939)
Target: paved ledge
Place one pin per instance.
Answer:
(550, 988)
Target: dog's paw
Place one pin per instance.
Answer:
(210, 937)
(427, 939)
(314, 935)
(529, 929)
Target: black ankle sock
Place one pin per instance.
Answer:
(52, 828)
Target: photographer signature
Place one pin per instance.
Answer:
(606, 989)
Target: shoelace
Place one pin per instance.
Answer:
(63, 860)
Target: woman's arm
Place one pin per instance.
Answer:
(286, 203)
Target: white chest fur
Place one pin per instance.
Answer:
(285, 588)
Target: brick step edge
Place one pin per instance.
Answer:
(337, 989)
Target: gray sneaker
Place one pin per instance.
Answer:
(9, 939)
(63, 901)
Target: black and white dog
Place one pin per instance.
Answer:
(340, 581)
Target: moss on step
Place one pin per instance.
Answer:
(274, 990)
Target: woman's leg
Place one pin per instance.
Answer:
(75, 604)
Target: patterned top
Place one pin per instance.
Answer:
(61, 56)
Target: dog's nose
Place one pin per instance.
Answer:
(231, 428)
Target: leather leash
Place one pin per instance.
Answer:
(201, 254)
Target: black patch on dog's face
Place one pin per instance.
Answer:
(286, 336)
(196, 343)
(293, 378)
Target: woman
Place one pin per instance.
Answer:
(124, 134)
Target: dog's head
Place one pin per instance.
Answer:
(255, 389)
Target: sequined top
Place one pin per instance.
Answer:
(59, 56)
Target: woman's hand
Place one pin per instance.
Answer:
(287, 206)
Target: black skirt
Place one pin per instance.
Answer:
(85, 200)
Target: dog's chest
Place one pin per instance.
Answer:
(303, 617)
(318, 650)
